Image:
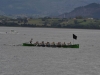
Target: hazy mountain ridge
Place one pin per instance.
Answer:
(91, 10)
(41, 7)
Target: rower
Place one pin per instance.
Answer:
(47, 44)
(59, 44)
(63, 44)
(42, 44)
(53, 44)
(31, 41)
(37, 43)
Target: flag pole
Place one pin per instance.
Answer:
(73, 41)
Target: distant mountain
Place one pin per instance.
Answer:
(40, 7)
(91, 10)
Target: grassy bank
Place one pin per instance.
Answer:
(52, 22)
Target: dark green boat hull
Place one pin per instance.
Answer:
(27, 44)
(65, 46)
(71, 46)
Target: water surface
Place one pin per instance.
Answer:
(18, 60)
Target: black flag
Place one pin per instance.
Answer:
(74, 36)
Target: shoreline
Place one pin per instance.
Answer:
(51, 27)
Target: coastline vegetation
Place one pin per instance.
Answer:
(77, 22)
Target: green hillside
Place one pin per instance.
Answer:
(90, 10)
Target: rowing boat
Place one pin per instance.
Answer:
(63, 46)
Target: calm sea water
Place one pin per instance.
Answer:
(18, 60)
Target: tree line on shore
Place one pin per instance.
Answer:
(77, 22)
